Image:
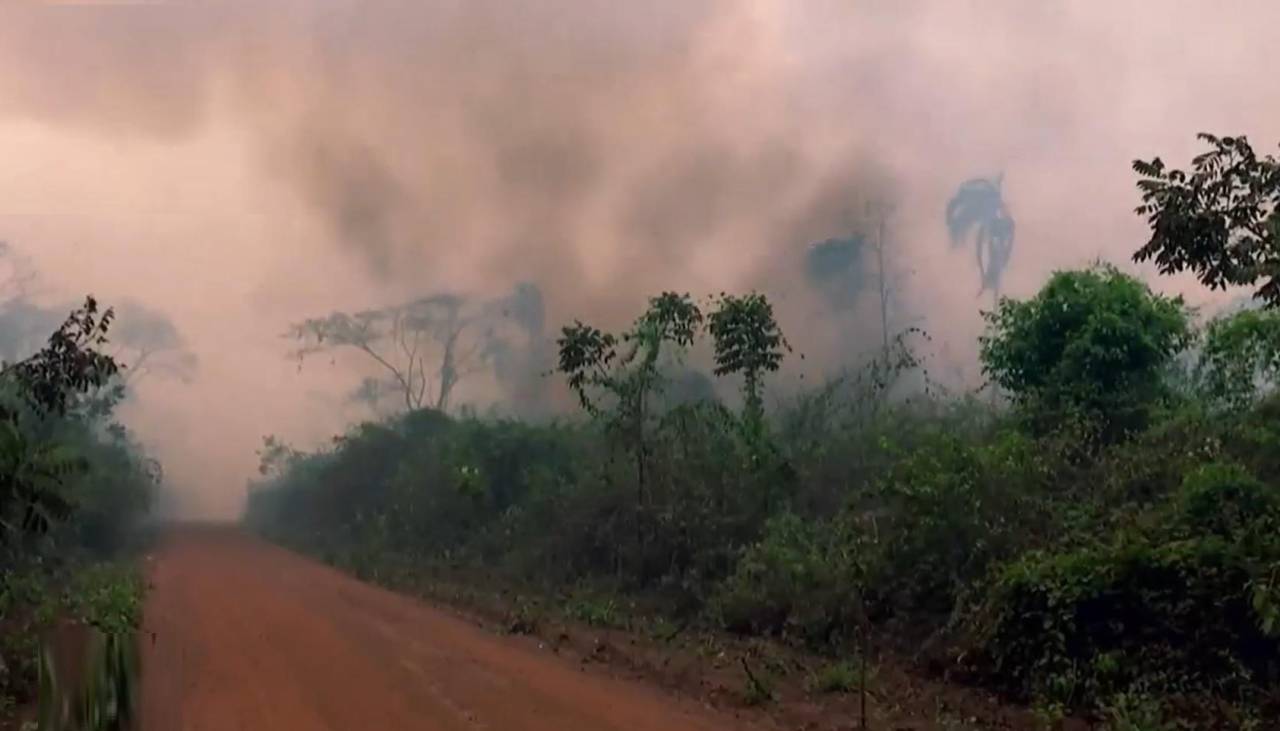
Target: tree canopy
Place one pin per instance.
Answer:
(1091, 342)
(977, 213)
(1219, 220)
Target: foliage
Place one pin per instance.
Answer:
(950, 510)
(1107, 544)
(977, 211)
(592, 361)
(106, 596)
(1240, 358)
(73, 483)
(1091, 343)
(835, 267)
(55, 434)
(71, 363)
(839, 677)
(802, 579)
(427, 346)
(1174, 607)
(747, 341)
(1219, 220)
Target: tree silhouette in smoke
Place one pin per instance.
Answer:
(977, 213)
(427, 346)
(835, 268)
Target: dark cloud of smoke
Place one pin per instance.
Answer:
(244, 165)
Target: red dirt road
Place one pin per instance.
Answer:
(244, 635)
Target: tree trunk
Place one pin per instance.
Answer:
(884, 292)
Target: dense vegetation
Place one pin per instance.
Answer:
(73, 487)
(1105, 538)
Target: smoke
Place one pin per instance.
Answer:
(245, 165)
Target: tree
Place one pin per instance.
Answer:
(276, 457)
(747, 341)
(977, 213)
(1240, 357)
(522, 358)
(625, 368)
(1091, 344)
(48, 385)
(616, 376)
(404, 339)
(70, 365)
(150, 343)
(24, 324)
(144, 339)
(1220, 221)
(837, 267)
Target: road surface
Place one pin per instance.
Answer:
(244, 635)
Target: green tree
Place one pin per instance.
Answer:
(48, 385)
(1220, 220)
(617, 377)
(1091, 344)
(747, 341)
(1240, 357)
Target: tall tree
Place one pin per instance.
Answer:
(977, 214)
(838, 268)
(145, 340)
(524, 353)
(150, 344)
(1220, 220)
(834, 267)
(427, 346)
(420, 345)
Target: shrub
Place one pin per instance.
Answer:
(801, 580)
(947, 510)
(1240, 358)
(1175, 610)
(840, 677)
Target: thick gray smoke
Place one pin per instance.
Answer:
(246, 165)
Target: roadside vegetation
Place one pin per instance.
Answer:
(73, 489)
(1102, 539)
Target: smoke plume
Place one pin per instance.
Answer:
(239, 166)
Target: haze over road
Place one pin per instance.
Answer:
(250, 636)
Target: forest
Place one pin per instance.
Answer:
(1093, 532)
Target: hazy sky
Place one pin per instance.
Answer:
(241, 165)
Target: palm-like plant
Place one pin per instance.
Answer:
(977, 214)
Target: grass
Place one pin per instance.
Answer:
(840, 677)
(757, 691)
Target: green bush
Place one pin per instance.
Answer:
(1240, 358)
(1175, 609)
(945, 513)
(802, 580)
(840, 677)
(1091, 344)
(1225, 500)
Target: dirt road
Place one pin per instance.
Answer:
(249, 636)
